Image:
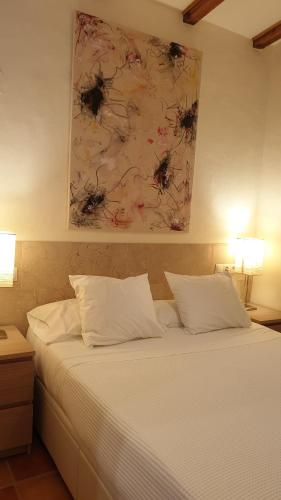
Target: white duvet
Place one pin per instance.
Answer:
(182, 417)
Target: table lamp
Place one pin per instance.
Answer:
(7, 258)
(249, 256)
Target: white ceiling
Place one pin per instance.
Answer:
(246, 17)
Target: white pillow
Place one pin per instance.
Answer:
(55, 321)
(167, 313)
(113, 310)
(207, 303)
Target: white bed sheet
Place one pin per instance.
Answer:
(182, 417)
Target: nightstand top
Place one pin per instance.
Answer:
(15, 346)
(265, 315)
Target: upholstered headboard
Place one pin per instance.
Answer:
(43, 269)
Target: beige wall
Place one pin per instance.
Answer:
(267, 288)
(35, 63)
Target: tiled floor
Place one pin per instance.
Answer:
(31, 477)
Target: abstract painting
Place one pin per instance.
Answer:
(134, 123)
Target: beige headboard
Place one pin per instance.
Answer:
(43, 269)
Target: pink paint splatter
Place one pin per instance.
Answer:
(162, 131)
(133, 58)
(150, 141)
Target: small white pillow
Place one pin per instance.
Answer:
(55, 321)
(167, 313)
(113, 310)
(208, 303)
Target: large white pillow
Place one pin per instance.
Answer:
(167, 313)
(55, 321)
(207, 303)
(113, 310)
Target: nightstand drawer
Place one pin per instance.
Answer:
(16, 382)
(15, 427)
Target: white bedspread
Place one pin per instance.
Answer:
(182, 417)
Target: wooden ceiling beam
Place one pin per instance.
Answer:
(199, 9)
(268, 36)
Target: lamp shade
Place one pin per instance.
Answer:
(249, 255)
(7, 258)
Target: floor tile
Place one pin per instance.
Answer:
(8, 494)
(38, 462)
(5, 476)
(47, 487)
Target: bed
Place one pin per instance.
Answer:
(178, 417)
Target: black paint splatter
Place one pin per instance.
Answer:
(188, 121)
(94, 98)
(161, 174)
(94, 201)
(175, 51)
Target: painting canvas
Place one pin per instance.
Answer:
(134, 122)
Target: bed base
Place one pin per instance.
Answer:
(58, 436)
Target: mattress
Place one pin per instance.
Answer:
(181, 417)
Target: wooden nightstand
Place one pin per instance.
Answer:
(16, 392)
(267, 317)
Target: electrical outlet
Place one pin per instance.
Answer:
(224, 268)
